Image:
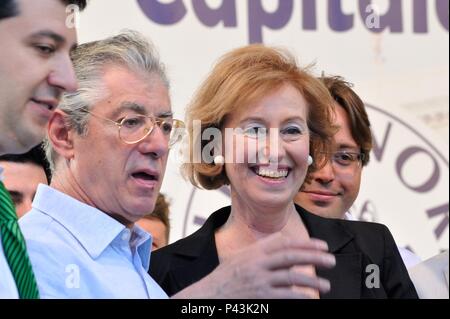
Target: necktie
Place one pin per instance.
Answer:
(15, 249)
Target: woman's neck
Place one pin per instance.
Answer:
(248, 223)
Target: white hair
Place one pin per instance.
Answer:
(130, 50)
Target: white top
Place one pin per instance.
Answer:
(431, 277)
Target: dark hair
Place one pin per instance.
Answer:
(35, 156)
(80, 3)
(343, 94)
(9, 8)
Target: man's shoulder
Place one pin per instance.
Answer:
(438, 263)
(52, 255)
(368, 230)
(374, 239)
(430, 277)
(35, 224)
(44, 235)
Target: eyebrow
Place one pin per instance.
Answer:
(60, 40)
(348, 147)
(165, 115)
(140, 109)
(49, 34)
(259, 119)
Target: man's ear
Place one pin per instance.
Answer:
(59, 135)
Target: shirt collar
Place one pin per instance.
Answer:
(94, 229)
(143, 243)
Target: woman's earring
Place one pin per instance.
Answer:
(310, 160)
(219, 160)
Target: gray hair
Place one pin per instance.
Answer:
(129, 49)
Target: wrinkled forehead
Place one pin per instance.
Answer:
(282, 102)
(124, 91)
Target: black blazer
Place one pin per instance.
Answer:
(356, 245)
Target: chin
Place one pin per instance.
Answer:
(142, 208)
(326, 213)
(20, 147)
(29, 139)
(273, 200)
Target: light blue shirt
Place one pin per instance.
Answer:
(77, 251)
(8, 287)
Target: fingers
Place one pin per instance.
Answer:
(278, 242)
(290, 277)
(292, 257)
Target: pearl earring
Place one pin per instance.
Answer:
(219, 160)
(310, 160)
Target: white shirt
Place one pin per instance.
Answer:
(8, 289)
(78, 251)
(409, 258)
(431, 277)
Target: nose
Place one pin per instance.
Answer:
(156, 143)
(63, 75)
(274, 149)
(325, 175)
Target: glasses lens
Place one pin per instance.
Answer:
(347, 159)
(177, 132)
(134, 128)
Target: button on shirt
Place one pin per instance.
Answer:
(77, 251)
(8, 289)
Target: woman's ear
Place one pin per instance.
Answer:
(60, 135)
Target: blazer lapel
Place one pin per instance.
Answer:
(188, 272)
(346, 276)
(197, 256)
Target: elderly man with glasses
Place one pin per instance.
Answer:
(332, 190)
(108, 144)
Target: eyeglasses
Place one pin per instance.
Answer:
(134, 128)
(347, 159)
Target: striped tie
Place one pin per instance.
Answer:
(15, 249)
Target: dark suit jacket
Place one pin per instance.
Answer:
(356, 245)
